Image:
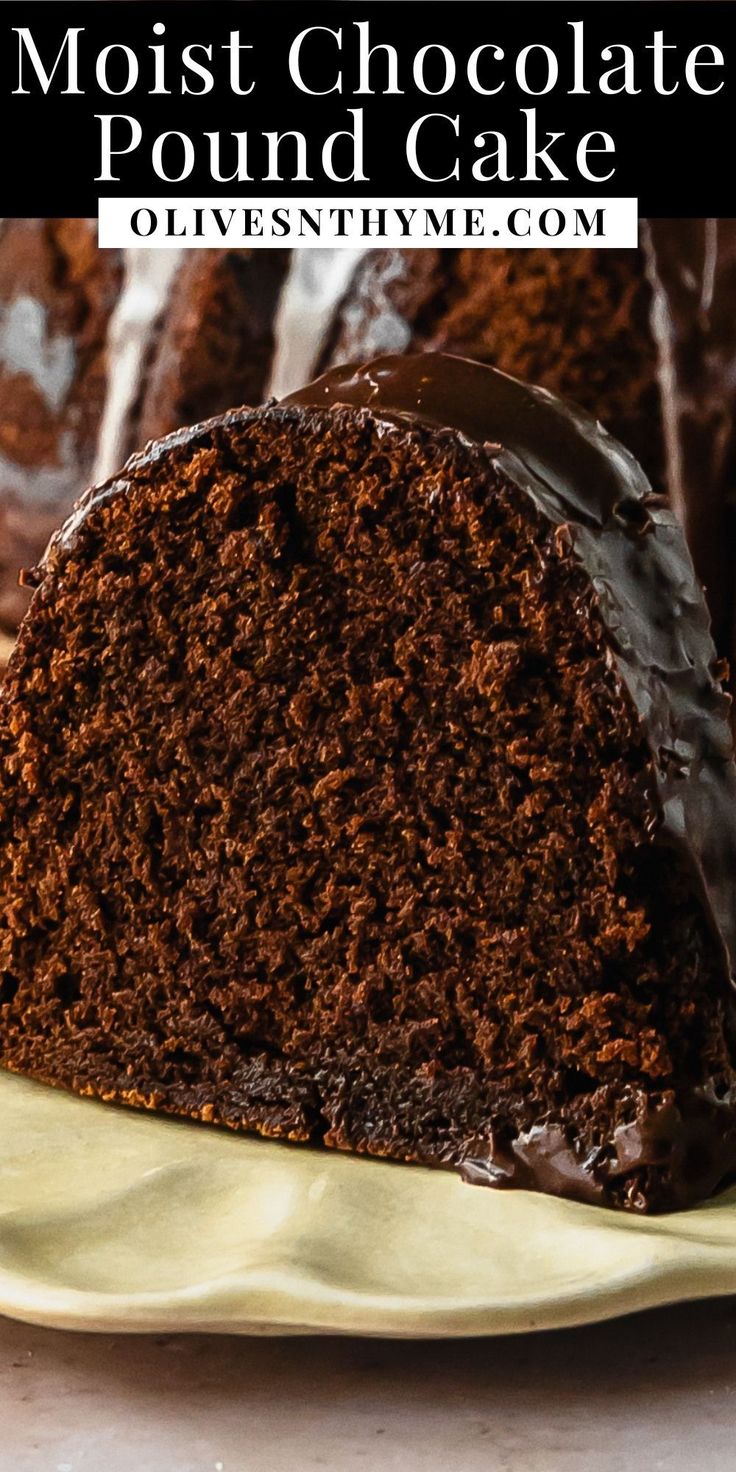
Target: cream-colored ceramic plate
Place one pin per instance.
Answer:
(115, 1220)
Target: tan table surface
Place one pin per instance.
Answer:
(655, 1391)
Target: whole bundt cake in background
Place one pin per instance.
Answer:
(57, 293)
(213, 343)
(102, 350)
(691, 267)
(358, 787)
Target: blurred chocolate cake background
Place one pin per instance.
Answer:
(645, 340)
(100, 352)
(213, 343)
(57, 294)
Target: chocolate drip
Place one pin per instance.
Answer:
(695, 1140)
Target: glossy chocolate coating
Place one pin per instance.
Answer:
(644, 339)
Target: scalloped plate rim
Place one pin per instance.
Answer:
(654, 1261)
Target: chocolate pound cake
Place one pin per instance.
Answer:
(359, 787)
(691, 267)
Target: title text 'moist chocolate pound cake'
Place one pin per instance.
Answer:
(365, 780)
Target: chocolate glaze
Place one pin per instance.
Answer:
(632, 549)
(693, 1139)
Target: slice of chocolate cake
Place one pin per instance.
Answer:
(57, 293)
(365, 780)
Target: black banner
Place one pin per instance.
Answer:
(450, 99)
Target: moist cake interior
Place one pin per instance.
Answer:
(325, 812)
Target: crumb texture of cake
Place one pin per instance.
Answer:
(357, 788)
(213, 345)
(57, 292)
